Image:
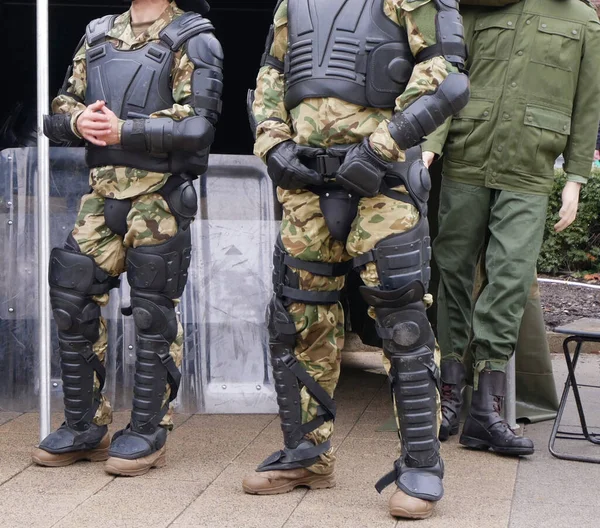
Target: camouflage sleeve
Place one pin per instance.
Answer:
(274, 125)
(181, 78)
(71, 97)
(418, 17)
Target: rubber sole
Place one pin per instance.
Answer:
(100, 454)
(313, 482)
(482, 445)
(405, 514)
(446, 432)
(66, 459)
(137, 467)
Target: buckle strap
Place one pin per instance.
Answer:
(290, 456)
(90, 357)
(325, 269)
(273, 62)
(325, 164)
(311, 385)
(309, 297)
(364, 259)
(386, 480)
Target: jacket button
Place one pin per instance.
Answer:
(544, 26)
(500, 148)
(565, 127)
(514, 84)
(574, 32)
(506, 116)
(528, 22)
(510, 23)
(520, 53)
(486, 113)
(529, 118)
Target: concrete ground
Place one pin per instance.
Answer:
(209, 455)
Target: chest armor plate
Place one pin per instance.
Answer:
(134, 83)
(348, 49)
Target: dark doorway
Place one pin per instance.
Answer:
(240, 25)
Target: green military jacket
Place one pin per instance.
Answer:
(535, 94)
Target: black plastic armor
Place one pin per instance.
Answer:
(348, 49)
(137, 83)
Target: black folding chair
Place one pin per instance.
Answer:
(582, 331)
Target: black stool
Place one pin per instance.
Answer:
(581, 331)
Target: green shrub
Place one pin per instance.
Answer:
(577, 248)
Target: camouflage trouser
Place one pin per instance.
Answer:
(320, 337)
(149, 223)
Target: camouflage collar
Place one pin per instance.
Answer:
(123, 31)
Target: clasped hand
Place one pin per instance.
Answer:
(99, 125)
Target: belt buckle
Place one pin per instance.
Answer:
(327, 165)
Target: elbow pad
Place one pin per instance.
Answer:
(164, 135)
(426, 114)
(206, 54)
(57, 127)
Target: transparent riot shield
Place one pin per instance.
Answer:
(226, 367)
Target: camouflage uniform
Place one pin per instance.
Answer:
(325, 122)
(163, 82)
(150, 221)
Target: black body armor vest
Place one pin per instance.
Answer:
(348, 49)
(135, 84)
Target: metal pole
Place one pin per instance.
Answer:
(510, 406)
(43, 179)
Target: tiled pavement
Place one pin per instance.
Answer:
(209, 454)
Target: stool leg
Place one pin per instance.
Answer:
(563, 403)
(571, 367)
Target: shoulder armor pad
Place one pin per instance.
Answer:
(97, 29)
(184, 28)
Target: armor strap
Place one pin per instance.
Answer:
(273, 62)
(311, 385)
(325, 269)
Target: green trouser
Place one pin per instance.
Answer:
(508, 228)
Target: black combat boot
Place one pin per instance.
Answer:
(485, 428)
(453, 382)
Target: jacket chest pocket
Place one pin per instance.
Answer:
(557, 44)
(493, 37)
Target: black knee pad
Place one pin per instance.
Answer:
(74, 278)
(154, 315)
(161, 269)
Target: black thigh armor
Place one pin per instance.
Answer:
(74, 279)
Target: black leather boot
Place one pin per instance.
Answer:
(453, 382)
(485, 428)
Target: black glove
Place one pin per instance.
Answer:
(362, 170)
(287, 170)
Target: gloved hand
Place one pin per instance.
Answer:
(362, 170)
(287, 171)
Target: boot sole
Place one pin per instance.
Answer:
(137, 467)
(447, 432)
(310, 483)
(482, 445)
(66, 459)
(405, 514)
